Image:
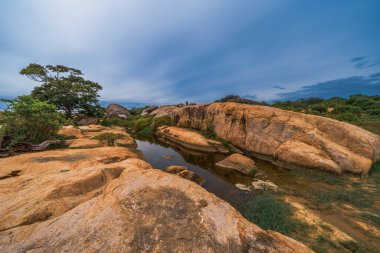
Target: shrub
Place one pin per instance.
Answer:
(31, 120)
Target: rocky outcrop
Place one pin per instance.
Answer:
(85, 136)
(116, 111)
(75, 200)
(164, 110)
(148, 110)
(237, 162)
(286, 138)
(191, 139)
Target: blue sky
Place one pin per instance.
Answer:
(171, 51)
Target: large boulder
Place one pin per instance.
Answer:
(116, 111)
(127, 206)
(286, 138)
(237, 162)
(191, 139)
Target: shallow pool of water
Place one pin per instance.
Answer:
(221, 184)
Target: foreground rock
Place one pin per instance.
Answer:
(191, 139)
(116, 111)
(238, 162)
(286, 138)
(52, 182)
(86, 206)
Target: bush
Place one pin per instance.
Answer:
(31, 120)
(142, 123)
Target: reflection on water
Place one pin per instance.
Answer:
(219, 183)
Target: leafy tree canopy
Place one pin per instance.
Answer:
(30, 120)
(65, 87)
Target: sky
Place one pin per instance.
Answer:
(163, 52)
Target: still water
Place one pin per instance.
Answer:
(221, 184)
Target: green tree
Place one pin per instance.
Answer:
(30, 120)
(65, 87)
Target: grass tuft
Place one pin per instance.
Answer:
(269, 212)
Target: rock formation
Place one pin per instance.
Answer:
(76, 200)
(148, 110)
(118, 111)
(237, 162)
(191, 139)
(286, 138)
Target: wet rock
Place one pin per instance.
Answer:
(191, 139)
(183, 172)
(175, 169)
(238, 162)
(191, 175)
(167, 157)
(286, 138)
(264, 185)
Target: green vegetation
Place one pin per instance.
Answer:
(30, 120)
(269, 212)
(109, 137)
(362, 110)
(66, 88)
(140, 125)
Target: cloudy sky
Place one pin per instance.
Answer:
(162, 51)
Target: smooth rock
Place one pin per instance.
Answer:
(191, 139)
(286, 138)
(238, 162)
(120, 207)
